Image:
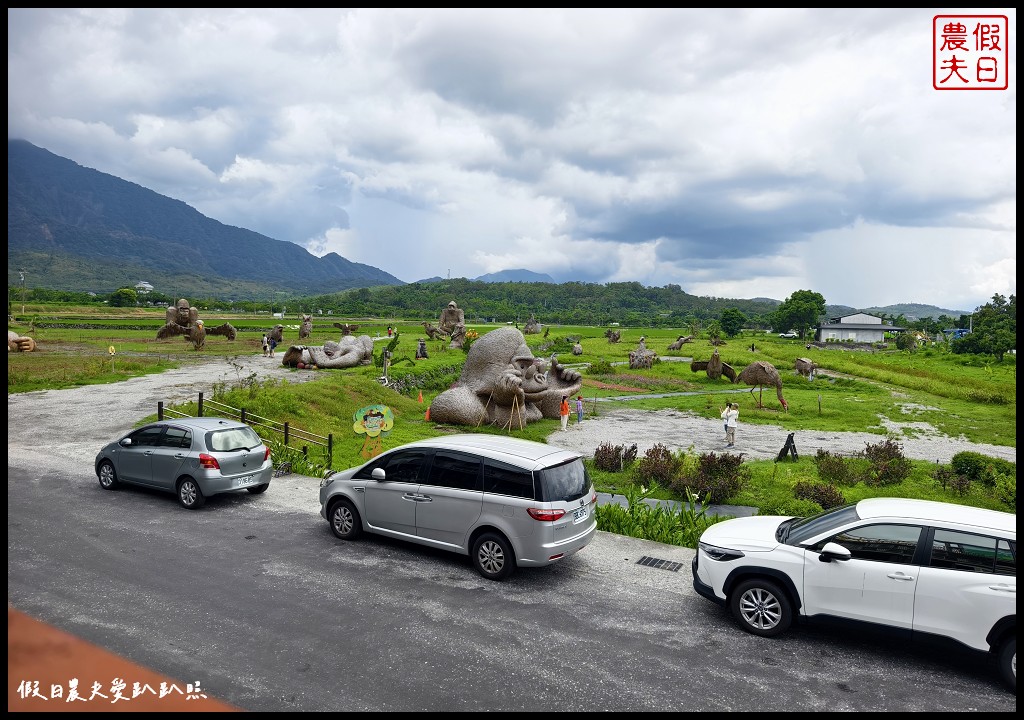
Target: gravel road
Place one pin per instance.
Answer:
(681, 430)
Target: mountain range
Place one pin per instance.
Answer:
(70, 227)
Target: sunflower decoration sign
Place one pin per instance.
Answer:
(373, 421)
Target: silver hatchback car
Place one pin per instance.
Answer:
(191, 457)
(503, 501)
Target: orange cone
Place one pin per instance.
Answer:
(421, 396)
(427, 416)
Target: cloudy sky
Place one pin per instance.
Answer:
(735, 153)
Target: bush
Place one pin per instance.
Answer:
(717, 477)
(1005, 487)
(982, 468)
(601, 367)
(960, 484)
(832, 468)
(658, 465)
(888, 466)
(791, 507)
(971, 464)
(825, 495)
(613, 458)
(906, 341)
(658, 522)
(945, 476)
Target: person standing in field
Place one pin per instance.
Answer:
(563, 412)
(579, 408)
(731, 415)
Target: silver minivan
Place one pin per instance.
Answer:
(503, 501)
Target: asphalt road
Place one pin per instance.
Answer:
(255, 599)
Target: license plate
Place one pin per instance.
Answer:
(579, 515)
(243, 481)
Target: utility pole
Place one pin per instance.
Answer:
(22, 273)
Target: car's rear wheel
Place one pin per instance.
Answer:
(190, 495)
(258, 489)
(107, 475)
(492, 556)
(345, 523)
(1008, 663)
(761, 607)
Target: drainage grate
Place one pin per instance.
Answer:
(659, 563)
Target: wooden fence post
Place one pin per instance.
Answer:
(160, 410)
(286, 433)
(200, 404)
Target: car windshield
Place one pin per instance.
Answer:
(240, 438)
(561, 483)
(798, 530)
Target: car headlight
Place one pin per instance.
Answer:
(327, 480)
(720, 554)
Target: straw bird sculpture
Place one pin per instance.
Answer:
(758, 374)
(806, 367)
(714, 367)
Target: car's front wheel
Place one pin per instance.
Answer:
(190, 495)
(345, 523)
(258, 489)
(1008, 663)
(492, 556)
(107, 475)
(761, 607)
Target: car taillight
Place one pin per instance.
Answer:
(545, 515)
(266, 455)
(208, 461)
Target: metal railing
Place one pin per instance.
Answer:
(258, 422)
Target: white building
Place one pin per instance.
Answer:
(142, 287)
(859, 327)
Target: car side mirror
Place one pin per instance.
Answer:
(378, 474)
(834, 551)
(126, 442)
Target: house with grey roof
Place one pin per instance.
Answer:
(859, 327)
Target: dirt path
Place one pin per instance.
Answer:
(681, 430)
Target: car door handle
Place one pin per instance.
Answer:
(899, 576)
(1003, 588)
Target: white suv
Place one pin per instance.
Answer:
(920, 567)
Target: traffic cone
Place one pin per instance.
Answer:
(421, 396)
(427, 416)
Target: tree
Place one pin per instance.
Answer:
(732, 321)
(714, 331)
(125, 297)
(800, 311)
(993, 329)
